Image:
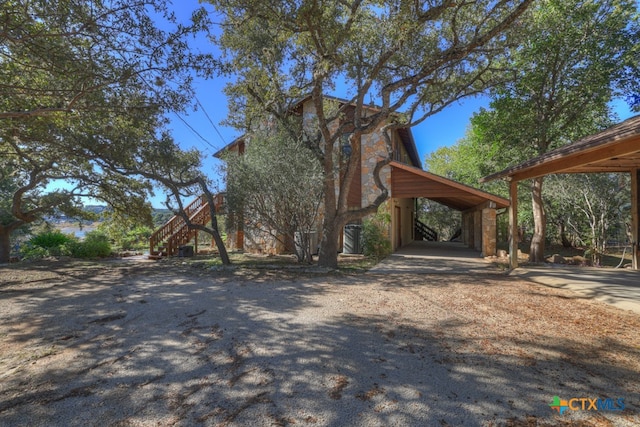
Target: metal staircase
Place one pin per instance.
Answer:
(166, 240)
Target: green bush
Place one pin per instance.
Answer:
(28, 251)
(375, 242)
(50, 239)
(94, 245)
(56, 243)
(125, 236)
(47, 243)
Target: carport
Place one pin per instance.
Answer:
(479, 208)
(616, 149)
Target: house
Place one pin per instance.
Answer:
(407, 182)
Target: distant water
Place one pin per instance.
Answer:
(77, 231)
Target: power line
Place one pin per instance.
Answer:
(211, 121)
(195, 131)
(182, 119)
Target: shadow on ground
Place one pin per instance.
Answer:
(151, 346)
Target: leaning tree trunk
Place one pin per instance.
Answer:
(536, 250)
(222, 249)
(214, 231)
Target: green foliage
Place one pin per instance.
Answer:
(444, 220)
(161, 216)
(127, 233)
(85, 88)
(137, 238)
(413, 58)
(47, 243)
(375, 235)
(94, 245)
(55, 243)
(575, 56)
(277, 185)
(476, 155)
(50, 239)
(592, 207)
(471, 158)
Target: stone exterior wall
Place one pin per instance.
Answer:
(373, 148)
(257, 241)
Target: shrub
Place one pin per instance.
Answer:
(375, 242)
(94, 245)
(48, 243)
(28, 251)
(50, 239)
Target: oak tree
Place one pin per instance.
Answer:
(415, 58)
(575, 57)
(84, 91)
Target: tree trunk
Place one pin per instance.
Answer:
(536, 250)
(328, 255)
(224, 256)
(215, 231)
(302, 247)
(5, 244)
(562, 230)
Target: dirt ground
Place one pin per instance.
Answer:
(173, 344)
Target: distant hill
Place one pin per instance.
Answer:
(160, 216)
(97, 209)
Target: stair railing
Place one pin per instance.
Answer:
(423, 231)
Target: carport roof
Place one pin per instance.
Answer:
(408, 181)
(616, 149)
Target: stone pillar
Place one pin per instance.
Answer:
(477, 230)
(489, 232)
(467, 229)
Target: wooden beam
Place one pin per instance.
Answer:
(635, 223)
(513, 224)
(564, 163)
(408, 181)
(605, 168)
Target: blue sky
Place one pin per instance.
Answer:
(202, 129)
(442, 129)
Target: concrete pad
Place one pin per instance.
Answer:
(421, 257)
(620, 288)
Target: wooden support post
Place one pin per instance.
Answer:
(513, 224)
(196, 243)
(635, 223)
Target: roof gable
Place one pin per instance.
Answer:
(406, 136)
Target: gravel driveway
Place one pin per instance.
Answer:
(117, 344)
